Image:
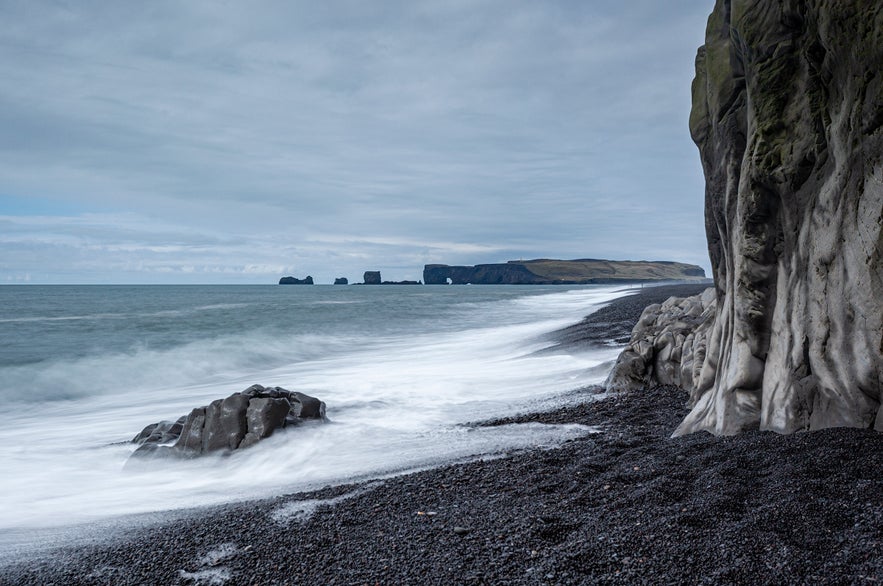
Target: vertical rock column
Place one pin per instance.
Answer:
(788, 117)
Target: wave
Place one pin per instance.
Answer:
(397, 401)
(125, 315)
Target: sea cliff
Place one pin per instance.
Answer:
(787, 114)
(546, 271)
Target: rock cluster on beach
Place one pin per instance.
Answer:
(239, 421)
(667, 346)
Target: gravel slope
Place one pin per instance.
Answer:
(629, 505)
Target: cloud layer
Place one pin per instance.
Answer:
(232, 142)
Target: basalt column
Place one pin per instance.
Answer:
(788, 117)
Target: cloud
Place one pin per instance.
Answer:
(306, 133)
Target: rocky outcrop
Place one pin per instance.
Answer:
(788, 117)
(667, 346)
(341, 281)
(294, 281)
(239, 421)
(489, 274)
(561, 272)
(373, 278)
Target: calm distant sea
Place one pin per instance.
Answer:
(83, 368)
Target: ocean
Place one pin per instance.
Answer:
(401, 369)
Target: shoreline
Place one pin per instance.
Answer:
(626, 505)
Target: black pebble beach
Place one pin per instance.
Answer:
(628, 505)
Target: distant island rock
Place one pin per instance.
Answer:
(294, 281)
(561, 272)
(373, 278)
(341, 281)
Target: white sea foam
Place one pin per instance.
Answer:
(396, 402)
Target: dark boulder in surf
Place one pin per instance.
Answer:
(160, 433)
(239, 421)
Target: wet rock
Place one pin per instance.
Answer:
(239, 421)
(161, 432)
(264, 415)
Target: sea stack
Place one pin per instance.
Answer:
(295, 281)
(788, 117)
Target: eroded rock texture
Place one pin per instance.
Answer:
(668, 346)
(787, 114)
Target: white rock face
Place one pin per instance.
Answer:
(668, 345)
(788, 117)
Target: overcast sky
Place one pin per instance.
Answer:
(237, 142)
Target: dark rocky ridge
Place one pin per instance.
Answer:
(788, 117)
(561, 272)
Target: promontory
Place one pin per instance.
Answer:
(546, 271)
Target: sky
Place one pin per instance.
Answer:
(215, 141)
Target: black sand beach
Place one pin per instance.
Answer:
(629, 505)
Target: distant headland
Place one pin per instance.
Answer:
(546, 271)
(542, 271)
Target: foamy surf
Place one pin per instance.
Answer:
(397, 400)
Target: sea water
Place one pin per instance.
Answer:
(401, 369)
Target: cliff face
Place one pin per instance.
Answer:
(788, 117)
(557, 272)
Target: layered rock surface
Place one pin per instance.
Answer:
(239, 421)
(788, 117)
